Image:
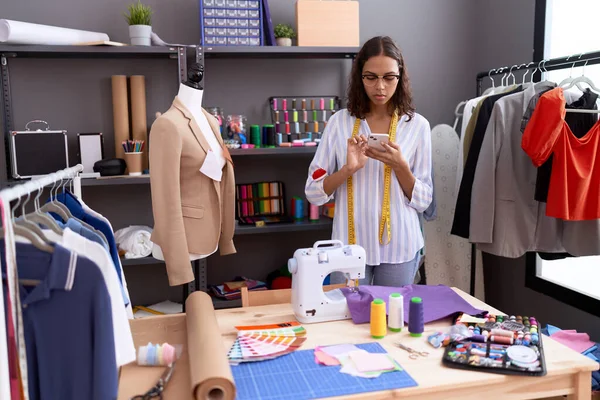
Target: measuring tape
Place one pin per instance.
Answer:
(385, 208)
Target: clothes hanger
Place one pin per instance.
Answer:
(56, 206)
(492, 88)
(25, 233)
(25, 222)
(41, 218)
(83, 223)
(570, 79)
(458, 114)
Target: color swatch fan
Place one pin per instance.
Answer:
(265, 342)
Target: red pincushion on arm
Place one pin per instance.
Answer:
(319, 173)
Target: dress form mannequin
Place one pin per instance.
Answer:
(190, 94)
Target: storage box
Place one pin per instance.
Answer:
(38, 152)
(231, 22)
(327, 23)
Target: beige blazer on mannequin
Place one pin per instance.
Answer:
(192, 213)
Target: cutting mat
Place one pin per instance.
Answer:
(298, 376)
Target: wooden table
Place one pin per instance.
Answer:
(569, 373)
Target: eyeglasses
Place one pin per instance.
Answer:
(388, 80)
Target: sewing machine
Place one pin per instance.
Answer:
(309, 268)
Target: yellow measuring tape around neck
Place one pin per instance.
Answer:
(385, 208)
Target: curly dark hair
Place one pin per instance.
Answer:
(358, 101)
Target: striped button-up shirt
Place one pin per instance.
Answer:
(414, 139)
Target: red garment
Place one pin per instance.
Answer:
(574, 192)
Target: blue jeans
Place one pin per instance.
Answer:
(395, 275)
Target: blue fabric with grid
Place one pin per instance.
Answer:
(297, 376)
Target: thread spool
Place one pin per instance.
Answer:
(313, 212)
(265, 140)
(396, 312)
(284, 104)
(255, 135)
(502, 332)
(416, 326)
(378, 326)
(501, 339)
(298, 209)
(271, 137)
(156, 354)
(478, 338)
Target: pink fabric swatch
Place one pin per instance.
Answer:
(579, 342)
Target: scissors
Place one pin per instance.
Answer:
(413, 354)
(156, 392)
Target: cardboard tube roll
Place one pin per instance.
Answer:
(139, 129)
(120, 112)
(210, 373)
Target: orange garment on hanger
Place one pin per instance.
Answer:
(574, 192)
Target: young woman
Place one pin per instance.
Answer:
(378, 192)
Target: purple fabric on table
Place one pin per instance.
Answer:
(439, 301)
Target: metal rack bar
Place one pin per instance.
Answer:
(574, 60)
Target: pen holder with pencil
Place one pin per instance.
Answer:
(133, 156)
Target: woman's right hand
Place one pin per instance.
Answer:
(355, 155)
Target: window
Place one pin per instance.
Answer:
(573, 280)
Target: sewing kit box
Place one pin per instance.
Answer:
(327, 23)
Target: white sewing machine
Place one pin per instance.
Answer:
(309, 268)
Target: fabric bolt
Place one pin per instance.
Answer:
(400, 274)
(67, 325)
(124, 348)
(448, 257)
(414, 139)
(462, 215)
(439, 301)
(574, 191)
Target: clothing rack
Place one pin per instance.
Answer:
(6, 196)
(545, 65)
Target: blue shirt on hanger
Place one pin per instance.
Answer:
(67, 325)
(77, 227)
(69, 200)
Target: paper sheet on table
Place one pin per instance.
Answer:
(203, 370)
(17, 32)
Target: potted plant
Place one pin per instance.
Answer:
(284, 35)
(139, 19)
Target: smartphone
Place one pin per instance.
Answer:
(376, 139)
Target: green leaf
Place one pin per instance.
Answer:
(284, 31)
(139, 14)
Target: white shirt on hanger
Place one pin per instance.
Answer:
(128, 310)
(124, 348)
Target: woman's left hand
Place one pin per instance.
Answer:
(392, 156)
